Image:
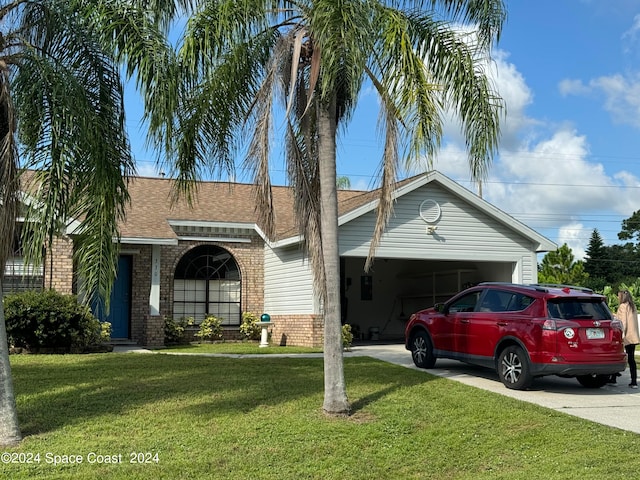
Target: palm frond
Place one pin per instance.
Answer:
(70, 100)
(9, 173)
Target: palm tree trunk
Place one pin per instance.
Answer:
(335, 395)
(9, 428)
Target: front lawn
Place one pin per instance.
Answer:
(239, 348)
(183, 417)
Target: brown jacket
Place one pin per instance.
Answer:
(629, 319)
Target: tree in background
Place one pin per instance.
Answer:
(631, 228)
(240, 58)
(560, 267)
(597, 264)
(62, 113)
(343, 183)
(624, 263)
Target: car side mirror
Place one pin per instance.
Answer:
(441, 307)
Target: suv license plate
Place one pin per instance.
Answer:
(595, 333)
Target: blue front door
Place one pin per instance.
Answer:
(119, 313)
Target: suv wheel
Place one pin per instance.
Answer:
(513, 368)
(593, 381)
(422, 350)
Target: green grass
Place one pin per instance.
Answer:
(240, 348)
(229, 418)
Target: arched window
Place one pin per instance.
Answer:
(207, 282)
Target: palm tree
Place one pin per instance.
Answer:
(62, 115)
(238, 58)
(343, 183)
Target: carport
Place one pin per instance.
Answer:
(378, 303)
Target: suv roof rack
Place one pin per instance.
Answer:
(543, 287)
(559, 285)
(533, 286)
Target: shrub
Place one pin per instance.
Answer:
(174, 329)
(51, 320)
(347, 336)
(210, 329)
(250, 326)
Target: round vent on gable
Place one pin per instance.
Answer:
(430, 211)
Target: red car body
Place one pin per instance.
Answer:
(523, 332)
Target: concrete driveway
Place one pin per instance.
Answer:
(614, 405)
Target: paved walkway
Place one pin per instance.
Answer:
(614, 405)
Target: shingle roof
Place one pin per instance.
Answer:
(150, 213)
(151, 209)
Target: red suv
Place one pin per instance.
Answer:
(523, 332)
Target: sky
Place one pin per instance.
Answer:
(569, 155)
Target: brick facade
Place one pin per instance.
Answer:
(299, 330)
(58, 265)
(148, 330)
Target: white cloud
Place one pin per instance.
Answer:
(550, 177)
(575, 235)
(630, 37)
(516, 96)
(621, 94)
(573, 87)
(622, 97)
(147, 169)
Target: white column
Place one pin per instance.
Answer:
(154, 293)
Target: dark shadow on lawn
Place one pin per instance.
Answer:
(366, 372)
(53, 393)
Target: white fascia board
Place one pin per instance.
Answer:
(25, 198)
(148, 241)
(278, 243)
(285, 242)
(215, 239)
(261, 234)
(72, 227)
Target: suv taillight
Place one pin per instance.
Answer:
(615, 323)
(549, 325)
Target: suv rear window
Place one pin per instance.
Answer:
(574, 308)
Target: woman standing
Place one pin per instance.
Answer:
(628, 315)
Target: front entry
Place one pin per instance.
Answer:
(120, 302)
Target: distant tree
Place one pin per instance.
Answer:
(597, 264)
(343, 183)
(624, 263)
(560, 267)
(624, 260)
(631, 228)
